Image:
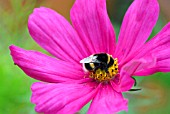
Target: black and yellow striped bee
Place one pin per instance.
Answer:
(102, 61)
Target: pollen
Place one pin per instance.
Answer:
(105, 75)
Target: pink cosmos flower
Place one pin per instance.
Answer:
(65, 87)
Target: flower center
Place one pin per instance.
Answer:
(101, 67)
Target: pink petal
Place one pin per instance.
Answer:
(137, 25)
(80, 102)
(55, 34)
(107, 101)
(158, 47)
(90, 19)
(115, 83)
(127, 71)
(61, 98)
(43, 67)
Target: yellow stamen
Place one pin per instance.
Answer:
(102, 75)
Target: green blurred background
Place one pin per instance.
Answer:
(15, 85)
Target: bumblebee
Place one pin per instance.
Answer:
(101, 61)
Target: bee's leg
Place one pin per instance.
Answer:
(96, 68)
(105, 67)
(106, 70)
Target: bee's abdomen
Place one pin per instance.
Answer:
(89, 66)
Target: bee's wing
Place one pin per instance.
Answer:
(87, 60)
(90, 59)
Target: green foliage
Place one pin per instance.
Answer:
(15, 90)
